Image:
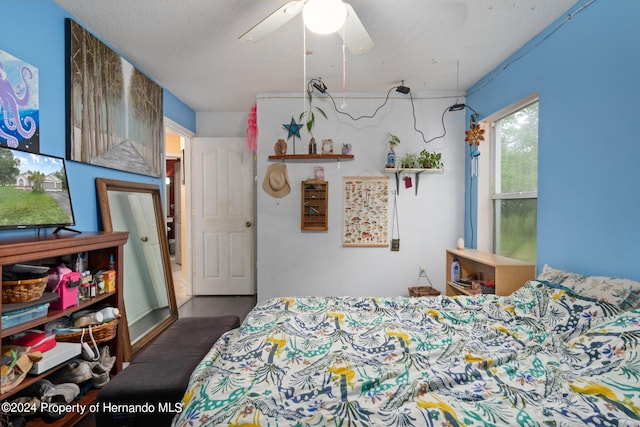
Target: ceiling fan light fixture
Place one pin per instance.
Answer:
(324, 16)
(293, 7)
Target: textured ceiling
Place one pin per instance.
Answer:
(191, 47)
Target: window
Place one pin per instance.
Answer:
(515, 183)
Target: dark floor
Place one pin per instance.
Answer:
(218, 306)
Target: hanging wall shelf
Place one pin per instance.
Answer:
(416, 172)
(311, 157)
(315, 211)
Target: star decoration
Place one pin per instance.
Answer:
(474, 134)
(293, 128)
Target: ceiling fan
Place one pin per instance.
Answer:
(347, 23)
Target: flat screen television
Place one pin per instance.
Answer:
(34, 191)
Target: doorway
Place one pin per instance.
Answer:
(202, 169)
(176, 139)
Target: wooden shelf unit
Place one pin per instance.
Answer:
(46, 249)
(508, 274)
(315, 205)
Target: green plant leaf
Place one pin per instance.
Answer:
(393, 140)
(321, 111)
(311, 121)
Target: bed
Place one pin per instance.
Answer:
(562, 350)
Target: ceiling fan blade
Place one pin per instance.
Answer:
(354, 34)
(274, 21)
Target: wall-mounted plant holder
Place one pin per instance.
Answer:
(416, 172)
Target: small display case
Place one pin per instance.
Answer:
(315, 204)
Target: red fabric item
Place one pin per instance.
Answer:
(37, 340)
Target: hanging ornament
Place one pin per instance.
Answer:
(475, 134)
(252, 130)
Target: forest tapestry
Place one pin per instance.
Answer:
(114, 111)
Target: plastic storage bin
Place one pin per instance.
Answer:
(67, 291)
(13, 318)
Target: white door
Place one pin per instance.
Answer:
(222, 201)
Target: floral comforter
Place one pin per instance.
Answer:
(542, 356)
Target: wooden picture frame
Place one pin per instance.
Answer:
(147, 264)
(114, 112)
(366, 210)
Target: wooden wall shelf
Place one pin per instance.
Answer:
(312, 157)
(416, 172)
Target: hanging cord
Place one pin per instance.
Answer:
(395, 222)
(426, 276)
(386, 99)
(95, 354)
(471, 180)
(370, 116)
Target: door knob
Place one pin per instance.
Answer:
(144, 238)
(248, 224)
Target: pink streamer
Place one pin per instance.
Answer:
(252, 129)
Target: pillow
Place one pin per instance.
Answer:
(624, 293)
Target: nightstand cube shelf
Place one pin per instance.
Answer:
(508, 274)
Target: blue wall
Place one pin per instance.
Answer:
(34, 31)
(587, 75)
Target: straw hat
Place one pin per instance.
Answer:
(276, 180)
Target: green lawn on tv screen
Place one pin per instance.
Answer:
(24, 207)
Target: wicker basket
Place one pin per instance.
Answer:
(423, 291)
(101, 333)
(23, 290)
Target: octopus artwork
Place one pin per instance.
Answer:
(14, 100)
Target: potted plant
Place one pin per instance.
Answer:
(430, 160)
(309, 116)
(391, 155)
(410, 161)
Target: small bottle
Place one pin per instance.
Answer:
(391, 159)
(109, 313)
(88, 319)
(84, 291)
(112, 262)
(455, 270)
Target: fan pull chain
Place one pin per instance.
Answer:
(344, 69)
(304, 67)
(457, 80)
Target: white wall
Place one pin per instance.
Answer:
(291, 262)
(221, 124)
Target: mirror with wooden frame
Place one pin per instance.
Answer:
(149, 296)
